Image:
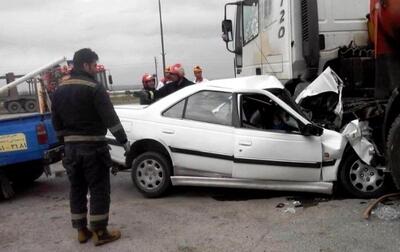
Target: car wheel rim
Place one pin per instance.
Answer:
(366, 178)
(150, 174)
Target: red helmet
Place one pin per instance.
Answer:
(100, 68)
(146, 78)
(177, 69)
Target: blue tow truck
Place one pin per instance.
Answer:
(28, 142)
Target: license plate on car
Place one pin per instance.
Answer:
(13, 142)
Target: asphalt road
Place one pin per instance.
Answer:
(196, 219)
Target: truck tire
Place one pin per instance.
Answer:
(30, 106)
(393, 151)
(361, 180)
(13, 107)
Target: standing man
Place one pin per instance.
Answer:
(81, 113)
(165, 80)
(149, 84)
(178, 81)
(198, 74)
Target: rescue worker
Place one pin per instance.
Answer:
(178, 81)
(81, 114)
(166, 80)
(198, 74)
(149, 84)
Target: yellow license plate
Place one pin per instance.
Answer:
(14, 142)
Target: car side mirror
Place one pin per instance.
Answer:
(312, 130)
(227, 34)
(110, 79)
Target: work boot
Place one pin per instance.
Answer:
(103, 236)
(84, 234)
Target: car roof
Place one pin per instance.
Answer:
(245, 83)
(259, 82)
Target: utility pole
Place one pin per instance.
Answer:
(155, 66)
(162, 37)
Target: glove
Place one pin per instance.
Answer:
(127, 147)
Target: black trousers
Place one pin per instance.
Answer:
(88, 168)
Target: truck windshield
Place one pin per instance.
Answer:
(250, 20)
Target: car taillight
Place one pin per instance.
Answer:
(41, 133)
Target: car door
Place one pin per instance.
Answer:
(199, 133)
(268, 150)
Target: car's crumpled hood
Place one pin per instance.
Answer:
(323, 98)
(352, 133)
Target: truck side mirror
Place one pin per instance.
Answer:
(312, 130)
(227, 34)
(110, 80)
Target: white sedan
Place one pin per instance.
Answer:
(238, 133)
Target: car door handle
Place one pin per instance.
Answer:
(169, 132)
(245, 143)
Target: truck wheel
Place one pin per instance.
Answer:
(393, 151)
(151, 174)
(30, 106)
(361, 180)
(14, 107)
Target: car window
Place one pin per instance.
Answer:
(210, 106)
(260, 112)
(175, 111)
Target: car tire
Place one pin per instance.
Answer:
(393, 151)
(151, 174)
(361, 180)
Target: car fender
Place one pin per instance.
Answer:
(355, 132)
(334, 147)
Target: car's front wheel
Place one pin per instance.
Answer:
(151, 173)
(361, 180)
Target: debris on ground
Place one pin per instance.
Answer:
(290, 210)
(306, 201)
(368, 210)
(387, 212)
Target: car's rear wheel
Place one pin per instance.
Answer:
(151, 174)
(361, 180)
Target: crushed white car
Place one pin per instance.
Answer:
(238, 133)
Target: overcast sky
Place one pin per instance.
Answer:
(125, 34)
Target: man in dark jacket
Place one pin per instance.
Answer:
(81, 114)
(178, 81)
(149, 84)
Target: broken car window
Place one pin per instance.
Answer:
(260, 112)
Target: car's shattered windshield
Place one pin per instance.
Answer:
(284, 95)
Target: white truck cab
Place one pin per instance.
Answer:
(288, 38)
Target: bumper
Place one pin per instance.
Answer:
(53, 155)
